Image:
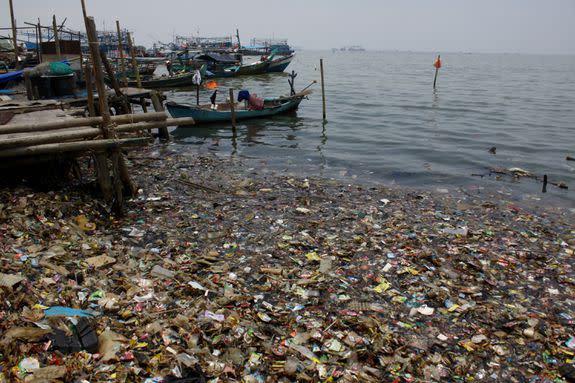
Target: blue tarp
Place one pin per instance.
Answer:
(10, 76)
(66, 311)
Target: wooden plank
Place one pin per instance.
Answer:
(76, 122)
(17, 140)
(82, 146)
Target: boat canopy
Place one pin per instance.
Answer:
(255, 46)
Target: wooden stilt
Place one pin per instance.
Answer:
(28, 84)
(233, 110)
(90, 90)
(14, 38)
(158, 107)
(103, 175)
(118, 167)
(115, 84)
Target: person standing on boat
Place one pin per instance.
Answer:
(169, 68)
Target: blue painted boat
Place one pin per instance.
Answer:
(280, 64)
(205, 114)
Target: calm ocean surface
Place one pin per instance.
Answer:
(387, 125)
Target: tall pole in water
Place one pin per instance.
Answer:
(14, 40)
(437, 65)
(233, 111)
(322, 88)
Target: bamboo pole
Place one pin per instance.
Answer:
(14, 38)
(114, 81)
(40, 53)
(158, 107)
(39, 42)
(110, 73)
(121, 54)
(181, 121)
(81, 146)
(84, 11)
(56, 38)
(48, 138)
(122, 179)
(322, 88)
(134, 63)
(84, 132)
(100, 161)
(98, 71)
(90, 90)
(76, 122)
(233, 110)
(28, 84)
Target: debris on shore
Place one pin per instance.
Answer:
(219, 273)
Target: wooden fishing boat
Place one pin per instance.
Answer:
(258, 67)
(280, 64)
(205, 113)
(220, 65)
(177, 81)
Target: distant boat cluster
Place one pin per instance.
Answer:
(352, 48)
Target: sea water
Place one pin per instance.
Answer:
(490, 115)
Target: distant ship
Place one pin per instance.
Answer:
(353, 48)
(356, 48)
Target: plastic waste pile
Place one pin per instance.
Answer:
(222, 274)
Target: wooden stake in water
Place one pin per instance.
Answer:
(322, 87)
(14, 40)
(56, 38)
(233, 110)
(437, 65)
(159, 107)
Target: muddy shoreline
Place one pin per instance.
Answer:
(221, 272)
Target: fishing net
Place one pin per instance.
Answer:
(59, 69)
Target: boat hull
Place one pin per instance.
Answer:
(280, 65)
(203, 115)
(167, 82)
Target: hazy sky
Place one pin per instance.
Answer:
(524, 26)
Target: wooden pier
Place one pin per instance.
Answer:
(101, 125)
